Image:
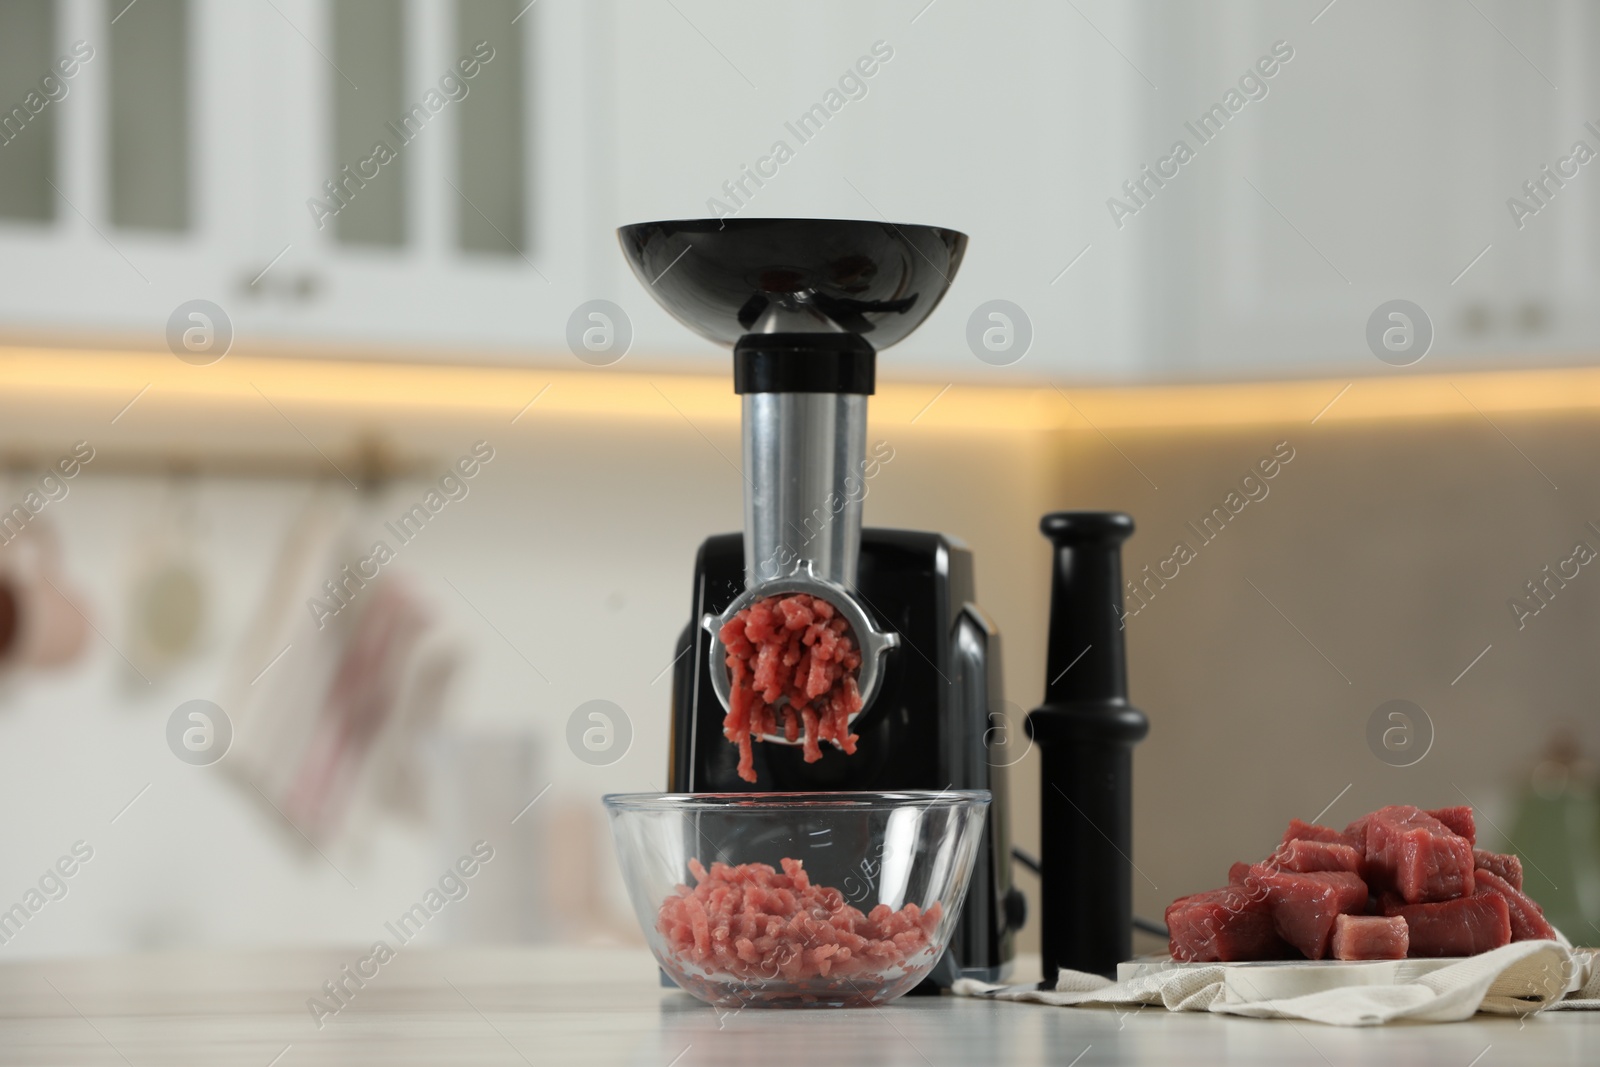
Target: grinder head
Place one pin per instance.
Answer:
(724, 279)
(872, 642)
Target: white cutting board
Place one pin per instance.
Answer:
(1278, 979)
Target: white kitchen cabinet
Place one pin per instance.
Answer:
(262, 83)
(1378, 166)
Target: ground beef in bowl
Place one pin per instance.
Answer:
(773, 934)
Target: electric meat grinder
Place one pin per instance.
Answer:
(806, 304)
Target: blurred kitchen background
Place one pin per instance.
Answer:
(374, 325)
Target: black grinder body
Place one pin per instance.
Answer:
(925, 729)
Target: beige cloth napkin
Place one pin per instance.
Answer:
(1518, 979)
(1584, 992)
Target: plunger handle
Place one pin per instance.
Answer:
(1086, 730)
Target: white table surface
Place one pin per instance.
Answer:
(542, 1006)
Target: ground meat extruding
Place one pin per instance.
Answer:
(793, 663)
(754, 924)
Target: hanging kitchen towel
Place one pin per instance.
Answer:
(332, 736)
(1518, 979)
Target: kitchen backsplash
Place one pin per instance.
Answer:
(1270, 618)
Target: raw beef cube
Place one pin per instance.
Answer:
(1225, 925)
(1527, 918)
(1305, 855)
(1464, 926)
(1370, 937)
(1237, 873)
(1460, 821)
(1357, 832)
(1507, 867)
(1305, 831)
(1419, 855)
(1305, 905)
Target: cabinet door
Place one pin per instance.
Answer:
(1377, 166)
(115, 209)
(969, 116)
(412, 199)
(398, 183)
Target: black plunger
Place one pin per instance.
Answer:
(1086, 730)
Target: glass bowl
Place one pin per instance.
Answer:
(797, 899)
